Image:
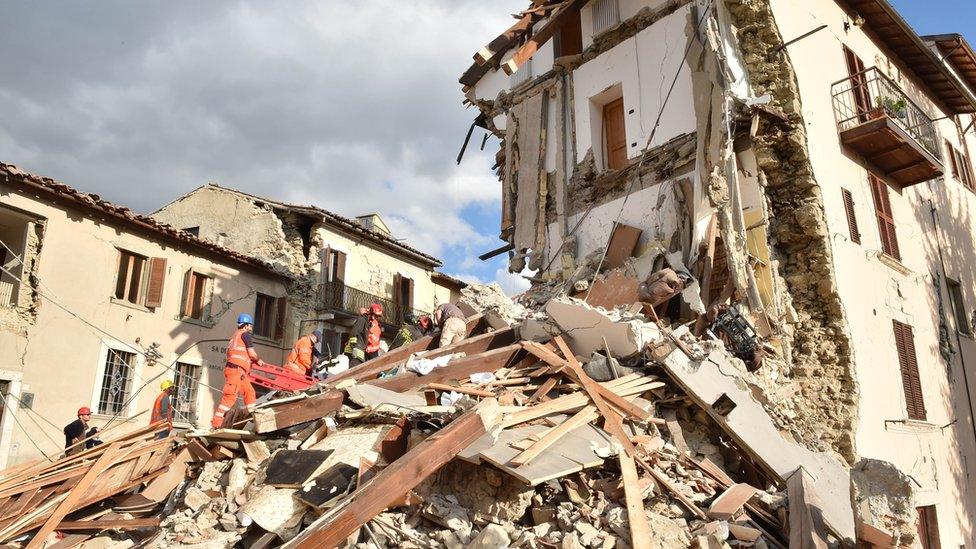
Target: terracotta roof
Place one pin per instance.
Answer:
(437, 275)
(12, 175)
(888, 26)
(344, 222)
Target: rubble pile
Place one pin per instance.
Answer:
(578, 428)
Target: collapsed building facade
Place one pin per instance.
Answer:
(807, 161)
(338, 264)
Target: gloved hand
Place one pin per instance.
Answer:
(260, 363)
(359, 354)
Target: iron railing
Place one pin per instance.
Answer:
(337, 296)
(870, 94)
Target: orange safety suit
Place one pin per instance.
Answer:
(373, 336)
(162, 410)
(236, 382)
(300, 358)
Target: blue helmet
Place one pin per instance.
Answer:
(244, 318)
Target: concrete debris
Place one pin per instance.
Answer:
(490, 300)
(542, 469)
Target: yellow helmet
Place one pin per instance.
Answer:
(166, 385)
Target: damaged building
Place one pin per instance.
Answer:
(802, 171)
(338, 264)
(101, 304)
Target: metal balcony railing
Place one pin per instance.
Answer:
(869, 95)
(6, 293)
(337, 296)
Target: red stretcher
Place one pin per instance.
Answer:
(277, 378)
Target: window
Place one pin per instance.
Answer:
(569, 38)
(606, 13)
(187, 387)
(116, 382)
(140, 279)
(851, 218)
(523, 74)
(615, 135)
(269, 316)
(333, 265)
(908, 363)
(959, 308)
(960, 166)
(855, 68)
(197, 291)
(886, 221)
(195, 231)
(928, 527)
(15, 226)
(402, 296)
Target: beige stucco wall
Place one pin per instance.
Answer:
(61, 358)
(938, 455)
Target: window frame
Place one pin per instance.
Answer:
(611, 162)
(192, 402)
(126, 285)
(110, 350)
(911, 378)
(958, 303)
(275, 316)
(887, 230)
(190, 276)
(928, 527)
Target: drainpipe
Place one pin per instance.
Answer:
(945, 284)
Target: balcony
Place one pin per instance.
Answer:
(878, 121)
(336, 296)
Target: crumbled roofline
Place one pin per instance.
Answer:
(13, 175)
(339, 220)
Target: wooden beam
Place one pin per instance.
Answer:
(272, 418)
(556, 21)
(806, 515)
(108, 524)
(75, 496)
(399, 478)
(504, 40)
(553, 435)
(461, 368)
(640, 528)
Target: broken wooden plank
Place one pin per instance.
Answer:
(326, 489)
(74, 498)
(623, 242)
(640, 528)
(292, 468)
(551, 436)
(108, 524)
(460, 368)
(256, 451)
(274, 417)
(462, 390)
(543, 390)
(807, 529)
(677, 437)
(399, 478)
(556, 20)
(162, 486)
(730, 502)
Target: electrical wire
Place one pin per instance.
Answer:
(650, 139)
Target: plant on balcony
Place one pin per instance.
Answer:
(895, 107)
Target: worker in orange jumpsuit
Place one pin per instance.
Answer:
(364, 343)
(162, 409)
(240, 356)
(303, 354)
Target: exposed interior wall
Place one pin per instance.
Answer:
(61, 357)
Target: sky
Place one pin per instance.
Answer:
(353, 106)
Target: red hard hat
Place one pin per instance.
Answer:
(377, 309)
(84, 411)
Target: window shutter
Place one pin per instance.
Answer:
(340, 274)
(886, 221)
(157, 277)
(208, 287)
(851, 219)
(908, 363)
(397, 289)
(410, 293)
(951, 153)
(967, 170)
(186, 301)
(325, 260)
(280, 321)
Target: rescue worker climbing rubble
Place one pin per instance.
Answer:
(162, 409)
(303, 354)
(240, 356)
(364, 343)
(452, 322)
(409, 332)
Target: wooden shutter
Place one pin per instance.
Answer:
(928, 528)
(280, 320)
(397, 291)
(157, 277)
(409, 300)
(951, 153)
(851, 218)
(616, 135)
(855, 69)
(908, 363)
(886, 221)
(569, 39)
(186, 300)
(340, 274)
(325, 262)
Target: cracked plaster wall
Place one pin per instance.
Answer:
(61, 357)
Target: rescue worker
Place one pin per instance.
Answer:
(240, 356)
(303, 354)
(162, 409)
(452, 322)
(78, 431)
(409, 332)
(364, 343)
